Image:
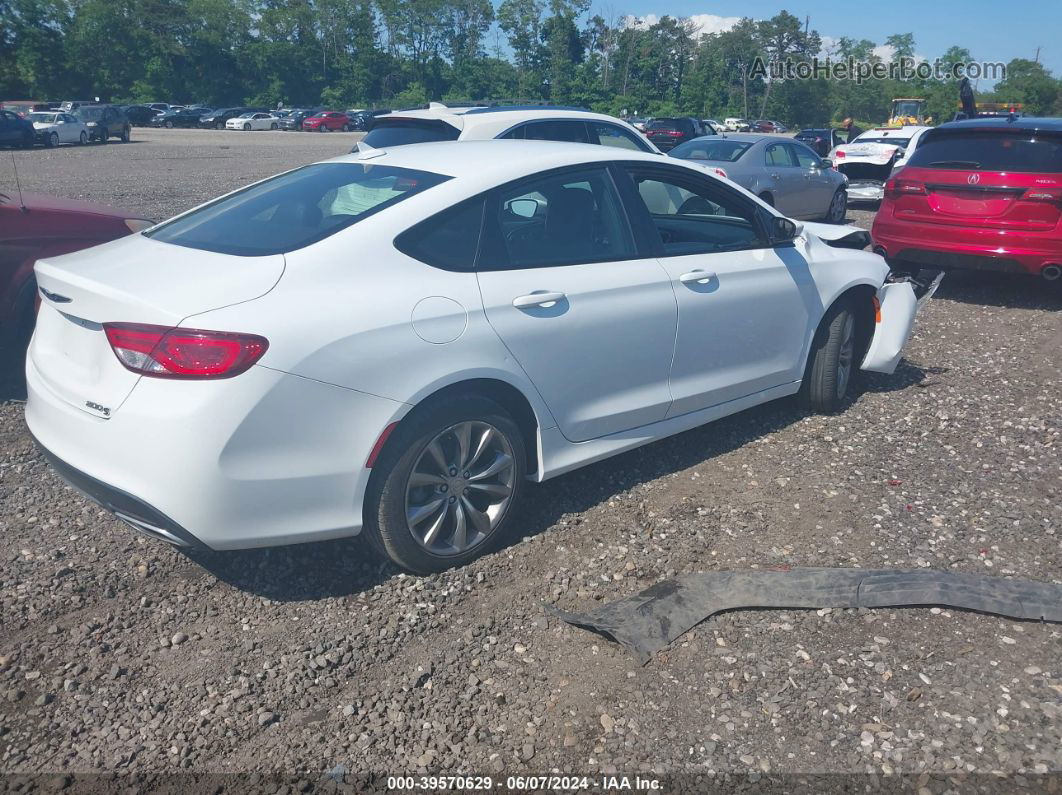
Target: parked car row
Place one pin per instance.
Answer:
(80, 124)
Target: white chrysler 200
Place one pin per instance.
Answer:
(394, 342)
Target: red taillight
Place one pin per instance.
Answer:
(721, 173)
(840, 155)
(164, 352)
(897, 187)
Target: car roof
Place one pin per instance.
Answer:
(465, 118)
(493, 162)
(749, 138)
(906, 131)
(1023, 123)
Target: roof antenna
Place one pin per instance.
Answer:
(21, 204)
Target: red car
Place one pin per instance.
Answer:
(983, 194)
(34, 226)
(327, 120)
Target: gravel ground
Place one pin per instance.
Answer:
(121, 655)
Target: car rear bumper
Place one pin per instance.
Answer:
(898, 305)
(865, 191)
(261, 460)
(967, 247)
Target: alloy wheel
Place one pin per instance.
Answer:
(838, 207)
(460, 488)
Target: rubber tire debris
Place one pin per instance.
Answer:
(648, 621)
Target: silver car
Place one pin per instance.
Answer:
(783, 172)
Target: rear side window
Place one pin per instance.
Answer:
(557, 219)
(296, 209)
(570, 131)
(398, 132)
(975, 150)
(448, 240)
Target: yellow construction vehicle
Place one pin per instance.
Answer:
(907, 110)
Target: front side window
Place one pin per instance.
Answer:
(614, 135)
(295, 209)
(560, 219)
(693, 215)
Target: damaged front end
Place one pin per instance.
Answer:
(895, 306)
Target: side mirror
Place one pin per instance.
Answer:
(784, 230)
(525, 208)
(825, 163)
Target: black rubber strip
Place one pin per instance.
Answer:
(648, 621)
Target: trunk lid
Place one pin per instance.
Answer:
(136, 280)
(1004, 200)
(1005, 177)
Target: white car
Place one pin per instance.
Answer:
(252, 121)
(55, 128)
(873, 157)
(734, 124)
(393, 343)
(438, 122)
(713, 125)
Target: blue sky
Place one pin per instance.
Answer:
(993, 30)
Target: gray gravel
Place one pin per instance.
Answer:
(119, 654)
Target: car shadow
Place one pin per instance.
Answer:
(345, 567)
(1000, 289)
(907, 375)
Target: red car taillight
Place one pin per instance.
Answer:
(897, 187)
(839, 155)
(720, 172)
(164, 352)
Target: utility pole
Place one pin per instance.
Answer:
(1037, 58)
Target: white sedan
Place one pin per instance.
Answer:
(252, 121)
(873, 157)
(58, 128)
(394, 342)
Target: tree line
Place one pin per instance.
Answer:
(397, 53)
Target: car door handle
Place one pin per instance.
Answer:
(697, 277)
(538, 299)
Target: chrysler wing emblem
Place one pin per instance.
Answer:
(973, 179)
(55, 297)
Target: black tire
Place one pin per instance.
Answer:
(102, 136)
(838, 210)
(832, 365)
(83, 138)
(126, 135)
(246, 127)
(273, 126)
(346, 128)
(386, 527)
(51, 140)
(169, 124)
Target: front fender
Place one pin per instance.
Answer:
(898, 304)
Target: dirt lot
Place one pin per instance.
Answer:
(121, 655)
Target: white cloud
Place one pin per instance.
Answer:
(706, 23)
(713, 23)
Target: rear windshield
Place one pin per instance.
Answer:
(397, 132)
(670, 124)
(724, 150)
(296, 209)
(990, 150)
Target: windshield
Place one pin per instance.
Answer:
(714, 149)
(246, 116)
(295, 209)
(88, 114)
(396, 132)
(990, 150)
(45, 118)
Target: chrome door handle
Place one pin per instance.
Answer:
(538, 299)
(697, 277)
